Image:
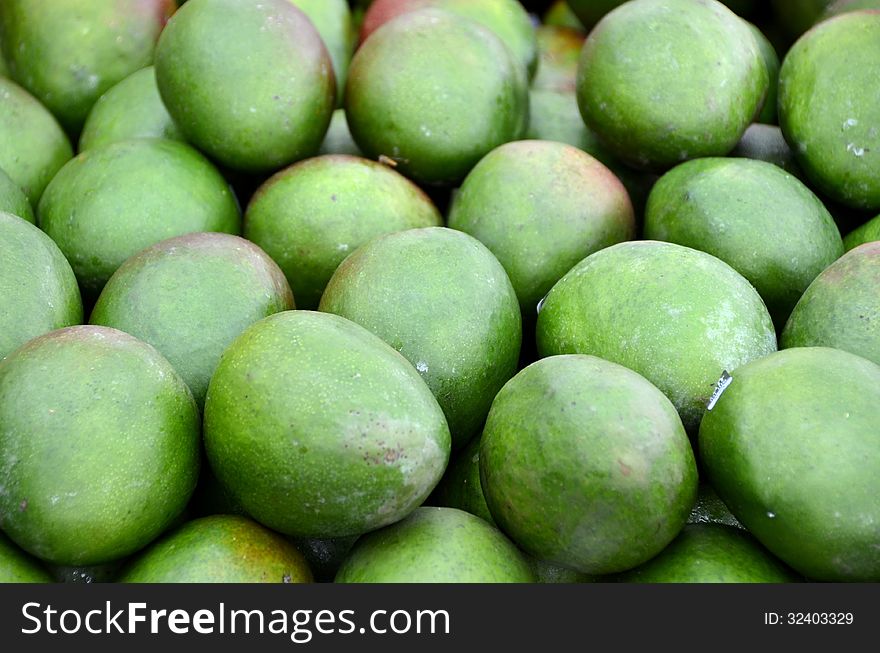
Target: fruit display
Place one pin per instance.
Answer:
(439, 291)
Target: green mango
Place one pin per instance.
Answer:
(828, 107)
(793, 449)
(711, 553)
(100, 442)
(436, 545)
(249, 83)
(219, 549)
(444, 301)
(130, 109)
(434, 93)
(107, 204)
(319, 394)
(190, 297)
(841, 308)
(312, 215)
(37, 285)
(664, 81)
(68, 52)
(585, 464)
(677, 316)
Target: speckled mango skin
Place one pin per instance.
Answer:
(250, 84)
(436, 545)
(711, 553)
(318, 394)
(100, 445)
(829, 107)
(68, 52)
(663, 81)
(32, 145)
(107, 204)
(866, 233)
(793, 449)
(507, 19)
(312, 215)
(586, 464)
(38, 287)
(219, 549)
(766, 143)
(435, 93)
(841, 308)
(190, 297)
(13, 200)
(441, 299)
(16, 566)
(332, 19)
(752, 215)
(677, 316)
(460, 487)
(541, 207)
(131, 109)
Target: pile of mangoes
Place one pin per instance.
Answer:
(439, 291)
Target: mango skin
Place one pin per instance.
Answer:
(332, 20)
(711, 553)
(793, 449)
(219, 549)
(107, 204)
(16, 566)
(828, 110)
(310, 216)
(130, 109)
(586, 464)
(190, 297)
(32, 145)
(866, 233)
(322, 395)
(68, 52)
(436, 545)
(37, 285)
(100, 445)
(541, 207)
(760, 220)
(444, 301)
(250, 84)
(434, 110)
(507, 19)
(677, 316)
(841, 308)
(663, 81)
(13, 200)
